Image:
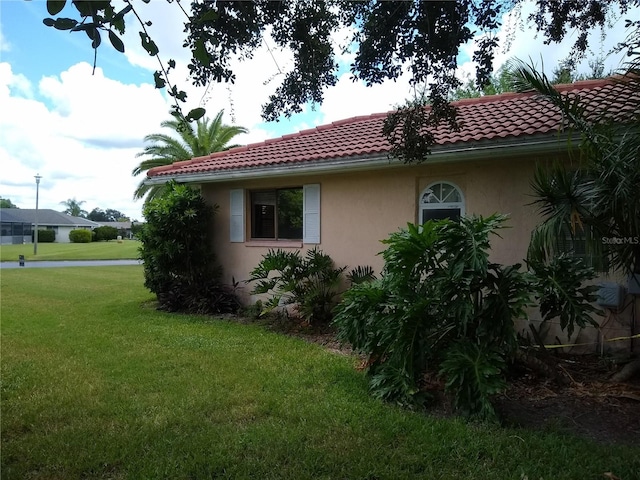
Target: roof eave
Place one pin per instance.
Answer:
(556, 143)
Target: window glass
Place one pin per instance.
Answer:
(439, 201)
(575, 245)
(277, 214)
(440, 214)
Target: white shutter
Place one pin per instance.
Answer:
(236, 214)
(311, 215)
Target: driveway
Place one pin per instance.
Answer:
(69, 263)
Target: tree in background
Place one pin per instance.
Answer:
(387, 38)
(6, 203)
(502, 80)
(207, 137)
(108, 215)
(74, 208)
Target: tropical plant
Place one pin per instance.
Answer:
(442, 306)
(74, 208)
(207, 137)
(310, 282)
(599, 198)
(179, 266)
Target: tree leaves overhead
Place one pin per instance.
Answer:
(116, 42)
(387, 38)
(54, 7)
(148, 44)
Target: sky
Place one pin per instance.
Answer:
(81, 129)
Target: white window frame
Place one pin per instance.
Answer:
(422, 206)
(310, 214)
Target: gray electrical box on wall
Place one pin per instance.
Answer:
(633, 284)
(610, 295)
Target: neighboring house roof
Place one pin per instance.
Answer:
(486, 123)
(7, 216)
(118, 225)
(46, 217)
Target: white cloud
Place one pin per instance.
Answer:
(518, 39)
(81, 134)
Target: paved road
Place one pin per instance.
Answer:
(69, 263)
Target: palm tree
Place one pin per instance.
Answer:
(207, 137)
(602, 197)
(74, 208)
(599, 200)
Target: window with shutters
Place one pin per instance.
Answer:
(277, 214)
(288, 214)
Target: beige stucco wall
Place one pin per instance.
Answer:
(359, 209)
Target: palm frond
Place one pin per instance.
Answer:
(164, 149)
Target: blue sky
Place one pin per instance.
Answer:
(82, 130)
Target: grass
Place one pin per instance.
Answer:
(98, 384)
(111, 250)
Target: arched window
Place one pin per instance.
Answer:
(441, 200)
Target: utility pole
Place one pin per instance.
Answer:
(35, 233)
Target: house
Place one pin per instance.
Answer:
(335, 186)
(18, 224)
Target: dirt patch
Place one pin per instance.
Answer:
(586, 403)
(580, 400)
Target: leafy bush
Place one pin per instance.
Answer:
(311, 282)
(80, 235)
(105, 233)
(561, 294)
(442, 306)
(179, 266)
(46, 236)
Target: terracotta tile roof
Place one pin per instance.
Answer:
(491, 118)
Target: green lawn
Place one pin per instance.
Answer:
(96, 384)
(112, 250)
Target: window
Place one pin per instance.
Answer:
(581, 245)
(277, 214)
(439, 201)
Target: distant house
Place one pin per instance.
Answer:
(18, 224)
(348, 194)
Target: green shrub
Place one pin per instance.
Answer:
(81, 235)
(105, 233)
(311, 282)
(46, 236)
(179, 266)
(441, 306)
